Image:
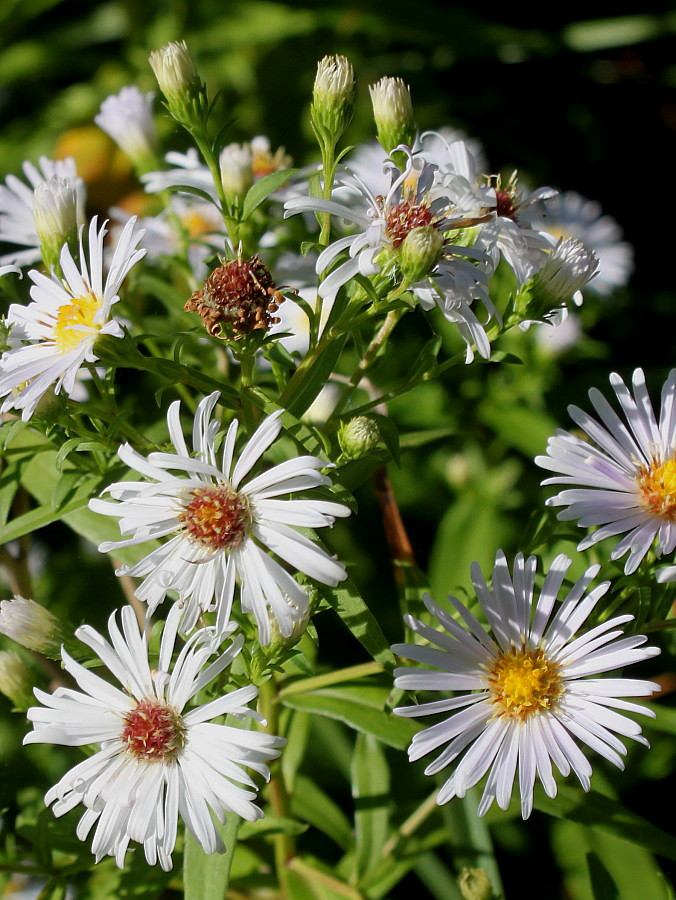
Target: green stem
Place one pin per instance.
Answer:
(378, 341)
(284, 843)
(213, 163)
(414, 821)
(352, 673)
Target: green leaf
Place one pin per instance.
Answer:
(389, 434)
(355, 614)
(524, 429)
(311, 804)
(270, 825)
(309, 880)
(420, 438)
(206, 876)
(361, 707)
(297, 733)
(10, 481)
(607, 815)
(469, 531)
(306, 384)
(262, 189)
(371, 793)
(306, 436)
(603, 886)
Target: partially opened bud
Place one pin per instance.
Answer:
(568, 269)
(333, 97)
(32, 626)
(55, 214)
(419, 252)
(236, 170)
(393, 113)
(16, 681)
(178, 79)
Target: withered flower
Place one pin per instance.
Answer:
(237, 298)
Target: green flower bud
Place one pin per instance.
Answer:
(280, 641)
(16, 681)
(393, 113)
(55, 214)
(419, 252)
(474, 884)
(332, 98)
(178, 79)
(358, 437)
(32, 626)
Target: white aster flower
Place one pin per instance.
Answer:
(525, 690)
(127, 118)
(188, 225)
(188, 169)
(666, 574)
(156, 760)
(65, 320)
(569, 215)
(414, 201)
(221, 527)
(17, 221)
(627, 476)
(264, 161)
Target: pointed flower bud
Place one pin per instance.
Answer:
(178, 79)
(32, 626)
(333, 98)
(236, 170)
(16, 682)
(55, 214)
(419, 253)
(358, 437)
(393, 113)
(569, 268)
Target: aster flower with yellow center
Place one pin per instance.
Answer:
(222, 528)
(65, 320)
(157, 760)
(625, 476)
(525, 691)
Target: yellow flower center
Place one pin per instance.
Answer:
(657, 488)
(196, 224)
(524, 683)
(216, 517)
(74, 321)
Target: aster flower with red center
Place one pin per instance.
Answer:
(223, 529)
(451, 276)
(157, 761)
(626, 476)
(524, 690)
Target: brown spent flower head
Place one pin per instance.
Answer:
(237, 298)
